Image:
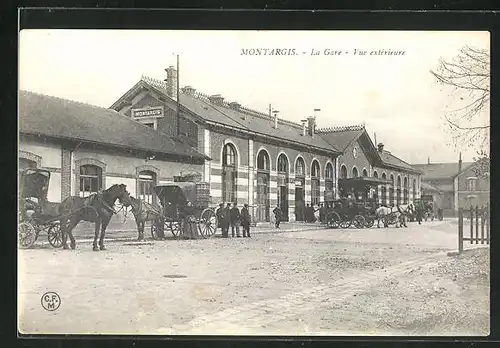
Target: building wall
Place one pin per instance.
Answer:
(360, 162)
(247, 152)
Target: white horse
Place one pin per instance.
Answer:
(398, 214)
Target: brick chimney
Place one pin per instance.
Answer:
(380, 147)
(275, 119)
(460, 162)
(234, 105)
(311, 125)
(428, 160)
(216, 99)
(171, 82)
(188, 90)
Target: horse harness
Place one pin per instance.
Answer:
(99, 197)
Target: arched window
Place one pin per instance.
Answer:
(315, 189)
(329, 178)
(282, 164)
(229, 155)
(398, 190)
(90, 179)
(405, 190)
(229, 173)
(383, 190)
(343, 172)
(354, 172)
(147, 182)
(375, 174)
(263, 160)
(365, 172)
(300, 167)
(391, 190)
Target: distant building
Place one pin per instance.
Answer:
(454, 185)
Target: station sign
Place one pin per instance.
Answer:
(148, 112)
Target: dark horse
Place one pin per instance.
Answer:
(97, 208)
(143, 211)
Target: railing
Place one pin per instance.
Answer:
(479, 217)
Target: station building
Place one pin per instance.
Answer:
(88, 148)
(265, 161)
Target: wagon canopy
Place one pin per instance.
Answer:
(34, 183)
(178, 193)
(363, 182)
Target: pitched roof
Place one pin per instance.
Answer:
(341, 137)
(390, 160)
(436, 171)
(429, 187)
(67, 119)
(242, 118)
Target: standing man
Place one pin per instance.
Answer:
(277, 215)
(227, 217)
(221, 218)
(321, 213)
(235, 216)
(245, 220)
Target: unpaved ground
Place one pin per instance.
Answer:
(269, 284)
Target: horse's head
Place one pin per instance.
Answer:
(119, 191)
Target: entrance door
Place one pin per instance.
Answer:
(283, 201)
(299, 203)
(262, 197)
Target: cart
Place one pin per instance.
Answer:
(360, 211)
(186, 210)
(36, 214)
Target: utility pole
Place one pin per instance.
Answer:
(178, 97)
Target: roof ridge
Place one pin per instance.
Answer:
(67, 100)
(340, 129)
(206, 97)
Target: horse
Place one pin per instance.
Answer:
(97, 208)
(398, 213)
(143, 211)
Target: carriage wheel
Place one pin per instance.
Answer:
(54, 235)
(26, 235)
(156, 229)
(333, 220)
(345, 223)
(359, 221)
(207, 225)
(176, 228)
(369, 221)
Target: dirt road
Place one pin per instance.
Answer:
(272, 284)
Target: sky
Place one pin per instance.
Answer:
(395, 96)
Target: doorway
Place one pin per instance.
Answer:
(283, 201)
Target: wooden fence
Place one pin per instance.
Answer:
(479, 226)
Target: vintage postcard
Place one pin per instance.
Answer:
(331, 183)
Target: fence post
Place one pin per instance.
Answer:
(487, 225)
(477, 225)
(483, 213)
(471, 225)
(460, 230)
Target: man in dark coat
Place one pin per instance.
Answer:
(227, 215)
(223, 220)
(277, 215)
(321, 213)
(235, 217)
(245, 220)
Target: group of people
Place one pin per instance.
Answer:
(232, 217)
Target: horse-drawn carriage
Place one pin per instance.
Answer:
(185, 211)
(359, 211)
(36, 214)
(344, 213)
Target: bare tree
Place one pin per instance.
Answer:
(468, 77)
